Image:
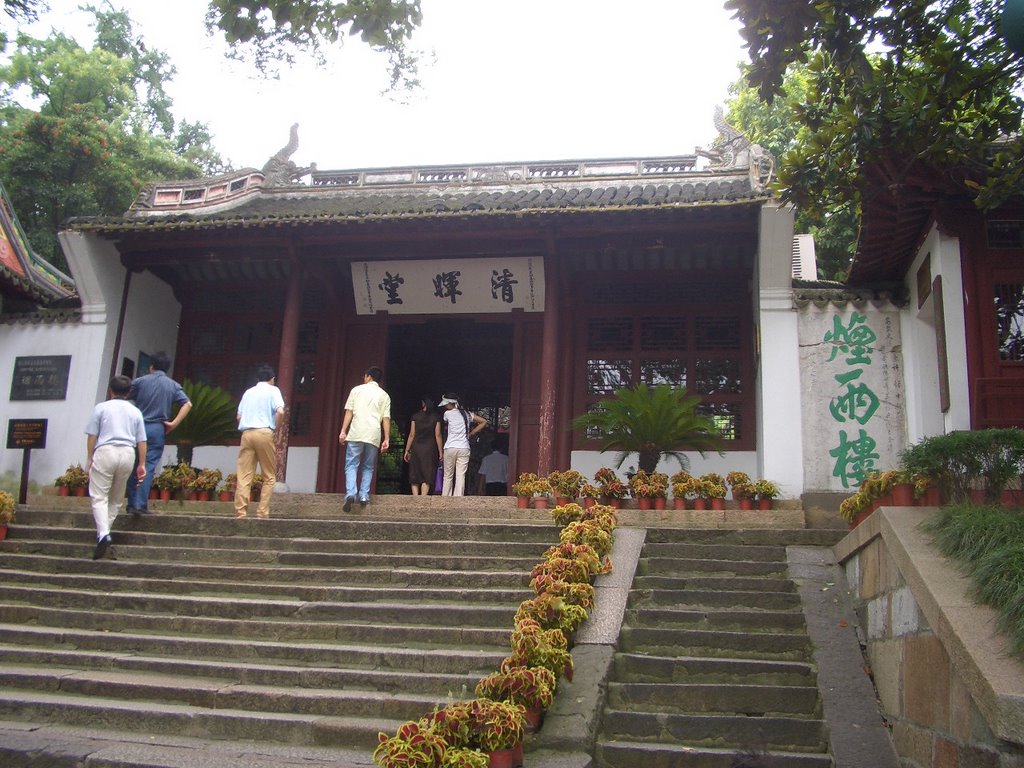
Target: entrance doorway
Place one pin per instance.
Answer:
(471, 358)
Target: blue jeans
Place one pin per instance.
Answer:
(361, 458)
(138, 493)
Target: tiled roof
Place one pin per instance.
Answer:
(403, 194)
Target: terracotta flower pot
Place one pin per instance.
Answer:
(3, 532)
(165, 494)
(718, 504)
(81, 491)
(522, 502)
(225, 496)
(678, 503)
(643, 502)
(700, 504)
(932, 497)
(561, 501)
(660, 502)
(63, 490)
(534, 715)
(202, 495)
(540, 502)
(903, 495)
(764, 504)
(154, 493)
(746, 504)
(506, 758)
(588, 502)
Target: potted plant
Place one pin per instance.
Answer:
(766, 490)
(712, 490)
(552, 612)
(185, 474)
(205, 483)
(73, 482)
(685, 487)
(646, 487)
(522, 489)
(534, 646)
(613, 490)
(496, 727)
(166, 482)
(541, 493)
(575, 593)
(7, 508)
(590, 532)
(464, 757)
(589, 494)
(566, 485)
(745, 493)
(531, 687)
(226, 490)
(563, 514)
(414, 745)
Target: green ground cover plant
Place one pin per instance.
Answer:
(988, 543)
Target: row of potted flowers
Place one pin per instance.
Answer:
(488, 731)
(181, 480)
(697, 492)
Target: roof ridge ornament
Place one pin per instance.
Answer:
(732, 150)
(279, 170)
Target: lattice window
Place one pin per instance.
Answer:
(605, 376)
(254, 338)
(713, 333)
(663, 334)
(1009, 304)
(655, 372)
(208, 341)
(612, 334)
(1005, 234)
(717, 377)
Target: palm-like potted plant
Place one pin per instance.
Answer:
(651, 422)
(211, 421)
(7, 508)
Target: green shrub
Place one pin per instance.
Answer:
(987, 459)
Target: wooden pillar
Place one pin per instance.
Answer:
(549, 363)
(286, 357)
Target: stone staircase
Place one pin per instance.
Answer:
(314, 634)
(714, 660)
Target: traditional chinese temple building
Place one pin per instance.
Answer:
(534, 290)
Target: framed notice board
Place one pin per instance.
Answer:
(42, 377)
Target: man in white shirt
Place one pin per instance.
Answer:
(364, 433)
(260, 413)
(493, 472)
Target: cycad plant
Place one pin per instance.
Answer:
(651, 422)
(210, 422)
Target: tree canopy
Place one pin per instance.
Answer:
(900, 92)
(774, 126)
(82, 130)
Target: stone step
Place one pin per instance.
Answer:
(793, 646)
(247, 673)
(656, 553)
(370, 632)
(386, 608)
(259, 574)
(697, 669)
(716, 619)
(779, 536)
(350, 732)
(744, 699)
(738, 732)
(630, 754)
(691, 567)
(415, 658)
(715, 598)
(741, 583)
(504, 591)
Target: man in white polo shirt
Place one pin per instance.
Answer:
(364, 433)
(260, 412)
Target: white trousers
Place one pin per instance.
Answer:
(456, 462)
(108, 478)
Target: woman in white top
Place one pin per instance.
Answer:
(456, 447)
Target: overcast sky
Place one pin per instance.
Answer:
(509, 81)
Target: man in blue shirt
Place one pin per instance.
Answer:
(155, 394)
(260, 413)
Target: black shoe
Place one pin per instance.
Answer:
(101, 547)
(347, 506)
(363, 503)
(136, 512)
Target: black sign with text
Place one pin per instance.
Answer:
(26, 433)
(41, 377)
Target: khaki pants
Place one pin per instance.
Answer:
(108, 479)
(257, 445)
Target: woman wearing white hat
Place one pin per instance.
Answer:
(456, 446)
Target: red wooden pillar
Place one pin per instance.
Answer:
(549, 363)
(286, 357)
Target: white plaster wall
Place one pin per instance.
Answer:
(66, 419)
(780, 441)
(302, 463)
(828, 372)
(151, 321)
